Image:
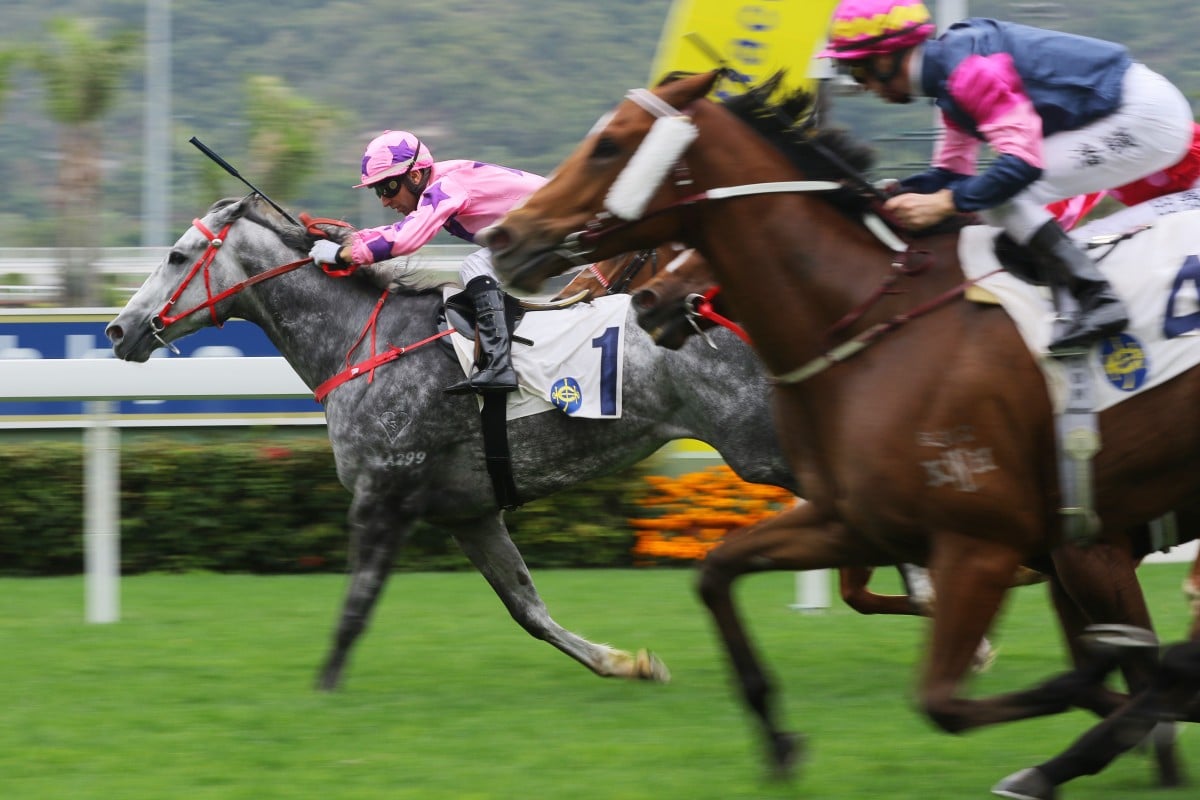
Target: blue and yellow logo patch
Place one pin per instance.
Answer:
(566, 395)
(1124, 361)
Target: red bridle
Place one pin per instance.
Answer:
(162, 320)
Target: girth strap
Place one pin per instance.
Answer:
(494, 418)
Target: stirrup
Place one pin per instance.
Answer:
(494, 383)
(1081, 336)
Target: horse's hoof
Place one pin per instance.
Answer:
(787, 751)
(984, 658)
(328, 681)
(1028, 784)
(1170, 776)
(649, 667)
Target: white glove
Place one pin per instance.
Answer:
(325, 252)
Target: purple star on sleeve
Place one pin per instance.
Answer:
(434, 195)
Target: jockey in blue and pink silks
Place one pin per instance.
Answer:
(461, 197)
(1066, 115)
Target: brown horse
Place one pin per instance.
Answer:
(756, 194)
(620, 274)
(667, 269)
(682, 302)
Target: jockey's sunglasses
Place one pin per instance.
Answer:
(388, 189)
(864, 69)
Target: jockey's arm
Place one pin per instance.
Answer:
(438, 203)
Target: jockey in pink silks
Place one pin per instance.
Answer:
(1066, 115)
(461, 197)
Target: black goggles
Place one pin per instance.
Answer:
(862, 70)
(389, 188)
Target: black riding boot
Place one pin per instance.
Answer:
(1101, 313)
(496, 372)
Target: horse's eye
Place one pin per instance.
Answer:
(605, 148)
(175, 258)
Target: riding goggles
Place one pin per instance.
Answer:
(387, 189)
(862, 70)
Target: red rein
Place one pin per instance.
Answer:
(163, 319)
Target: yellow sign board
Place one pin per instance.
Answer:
(756, 39)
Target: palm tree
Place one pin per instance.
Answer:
(81, 74)
(285, 139)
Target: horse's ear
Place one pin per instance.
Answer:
(683, 89)
(674, 75)
(231, 208)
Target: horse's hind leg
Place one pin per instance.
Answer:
(1175, 687)
(487, 543)
(1102, 582)
(376, 532)
(1191, 590)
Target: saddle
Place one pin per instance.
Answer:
(459, 313)
(1017, 260)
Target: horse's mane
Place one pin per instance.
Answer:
(402, 271)
(791, 125)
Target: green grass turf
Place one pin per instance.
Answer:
(204, 691)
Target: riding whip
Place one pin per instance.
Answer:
(225, 165)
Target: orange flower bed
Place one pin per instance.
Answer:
(685, 517)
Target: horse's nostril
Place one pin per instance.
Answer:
(114, 333)
(495, 238)
(645, 300)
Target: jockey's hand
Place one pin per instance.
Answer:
(888, 186)
(327, 252)
(918, 211)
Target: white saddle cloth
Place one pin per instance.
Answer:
(576, 363)
(1156, 273)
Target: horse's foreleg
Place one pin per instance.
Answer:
(852, 584)
(797, 539)
(376, 533)
(493, 553)
(970, 579)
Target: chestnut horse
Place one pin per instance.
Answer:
(637, 273)
(619, 274)
(762, 196)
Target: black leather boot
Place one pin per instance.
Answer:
(1101, 313)
(496, 372)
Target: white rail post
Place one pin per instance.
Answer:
(102, 531)
(812, 591)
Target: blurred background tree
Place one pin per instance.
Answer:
(7, 57)
(286, 131)
(81, 72)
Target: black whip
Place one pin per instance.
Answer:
(225, 165)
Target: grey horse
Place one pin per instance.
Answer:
(407, 452)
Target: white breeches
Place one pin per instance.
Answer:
(1150, 131)
(476, 265)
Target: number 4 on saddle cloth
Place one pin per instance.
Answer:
(1155, 271)
(570, 359)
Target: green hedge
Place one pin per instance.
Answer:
(262, 506)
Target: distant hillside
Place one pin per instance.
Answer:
(511, 81)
